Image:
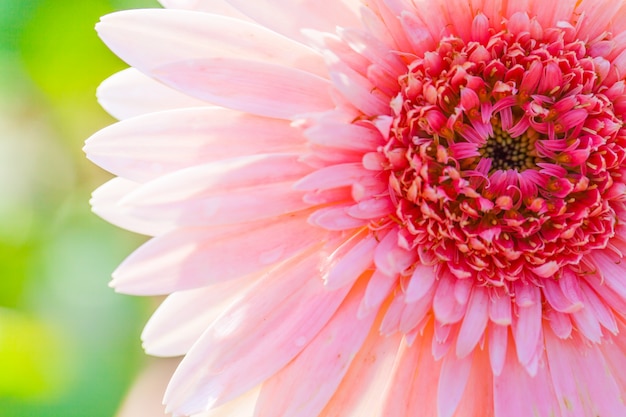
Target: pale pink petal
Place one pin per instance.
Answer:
(224, 362)
(416, 313)
(455, 373)
(422, 280)
(192, 258)
(289, 17)
(498, 345)
(549, 14)
(336, 218)
(105, 203)
(259, 88)
(182, 318)
(220, 7)
(582, 380)
(348, 136)
(558, 300)
(149, 39)
(378, 288)
(560, 323)
(223, 192)
(600, 310)
(155, 144)
(596, 15)
(447, 309)
(242, 406)
(130, 93)
(412, 389)
(350, 260)
(390, 258)
(324, 361)
(477, 399)
(517, 394)
(474, 322)
(500, 309)
(527, 328)
(358, 90)
(612, 272)
(587, 323)
(360, 390)
(334, 176)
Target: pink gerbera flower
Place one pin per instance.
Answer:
(375, 208)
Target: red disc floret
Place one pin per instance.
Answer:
(506, 154)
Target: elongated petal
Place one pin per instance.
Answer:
(149, 39)
(290, 17)
(192, 258)
(324, 361)
(105, 203)
(155, 144)
(224, 192)
(259, 88)
(130, 93)
(224, 363)
(474, 322)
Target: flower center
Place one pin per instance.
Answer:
(504, 156)
(508, 152)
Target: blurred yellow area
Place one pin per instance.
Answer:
(69, 346)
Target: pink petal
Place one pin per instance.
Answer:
(416, 312)
(412, 388)
(477, 399)
(192, 258)
(557, 299)
(500, 309)
(350, 261)
(421, 281)
(219, 7)
(243, 405)
(498, 345)
(155, 144)
(600, 310)
(527, 328)
(372, 209)
(336, 218)
(345, 136)
(474, 322)
(152, 38)
(182, 318)
(613, 272)
(324, 361)
(360, 390)
(560, 323)
(583, 379)
(130, 93)
(445, 306)
(597, 14)
(517, 394)
(454, 375)
(289, 17)
(378, 288)
(274, 320)
(390, 258)
(358, 90)
(223, 192)
(105, 203)
(255, 87)
(334, 176)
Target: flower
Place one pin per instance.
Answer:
(375, 208)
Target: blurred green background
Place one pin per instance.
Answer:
(69, 346)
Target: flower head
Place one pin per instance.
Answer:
(382, 208)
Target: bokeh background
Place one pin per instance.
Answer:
(69, 345)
